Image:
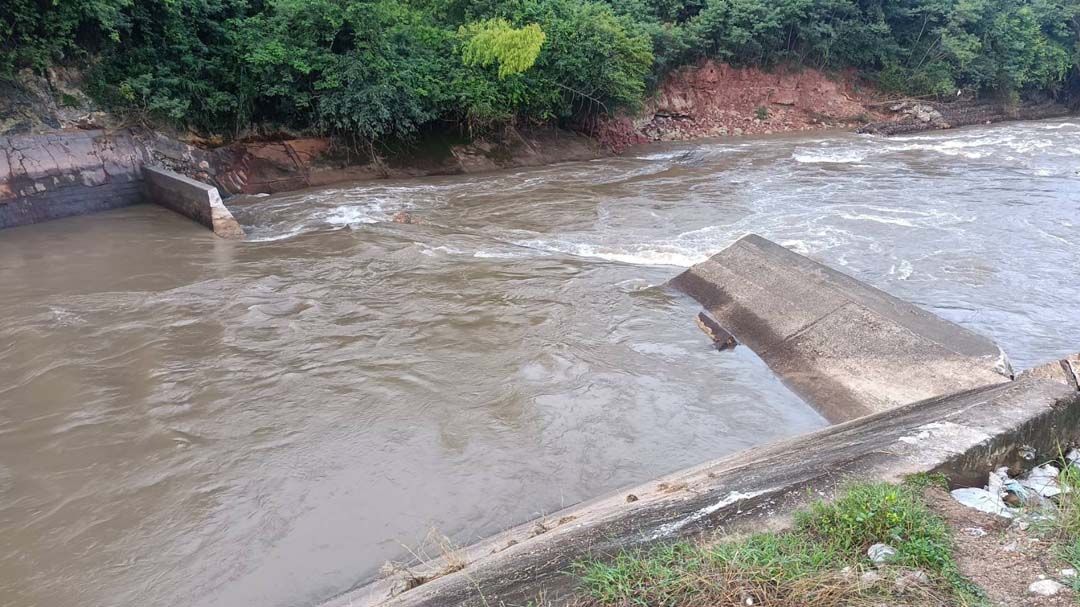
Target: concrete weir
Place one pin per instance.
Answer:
(845, 347)
(193, 199)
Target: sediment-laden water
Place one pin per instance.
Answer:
(191, 421)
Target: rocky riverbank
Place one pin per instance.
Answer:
(911, 116)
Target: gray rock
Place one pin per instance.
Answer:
(910, 579)
(869, 578)
(1045, 587)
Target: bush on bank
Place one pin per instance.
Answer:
(374, 69)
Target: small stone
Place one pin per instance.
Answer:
(869, 578)
(403, 217)
(974, 531)
(631, 498)
(1045, 587)
(881, 553)
(1067, 573)
(910, 579)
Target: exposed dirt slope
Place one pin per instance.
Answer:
(713, 99)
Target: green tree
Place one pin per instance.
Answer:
(495, 41)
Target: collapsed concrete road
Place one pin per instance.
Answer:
(846, 348)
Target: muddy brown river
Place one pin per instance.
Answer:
(187, 421)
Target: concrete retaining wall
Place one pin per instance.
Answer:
(68, 173)
(45, 177)
(192, 199)
(962, 435)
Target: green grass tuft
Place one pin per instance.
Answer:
(800, 567)
(925, 480)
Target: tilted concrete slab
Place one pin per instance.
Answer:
(962, 435)
(845, 347)
(1065, 371)
(193, 199)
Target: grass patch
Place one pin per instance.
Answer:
(1063, 522)
(817, 564)
(926, 480)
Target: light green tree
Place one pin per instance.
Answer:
(496, 41)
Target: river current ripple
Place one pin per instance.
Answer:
(190, 421)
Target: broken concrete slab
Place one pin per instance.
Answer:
(1065, 371)
(845, 347)
(962, 435)
(192, 199)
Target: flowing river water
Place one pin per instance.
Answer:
(187, 421)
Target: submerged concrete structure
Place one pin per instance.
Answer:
(846, 348)
(192, 199)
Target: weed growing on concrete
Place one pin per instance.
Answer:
(821, 562)
(926, 480)
(435, 548)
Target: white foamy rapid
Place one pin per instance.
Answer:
(829, 156)
(651, 254)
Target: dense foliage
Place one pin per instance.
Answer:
(386, 68)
